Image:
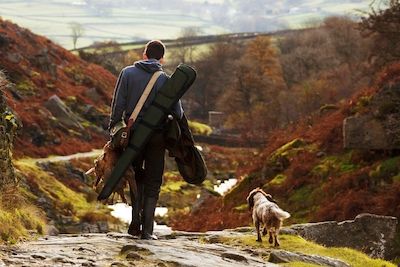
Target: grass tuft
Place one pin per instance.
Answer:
(18, 217)
(297, 244)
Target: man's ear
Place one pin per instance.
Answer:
(145, 56)
(162, 61)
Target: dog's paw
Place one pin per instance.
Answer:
(270, 240)
(265, 231)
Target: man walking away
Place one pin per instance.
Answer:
(149, 167)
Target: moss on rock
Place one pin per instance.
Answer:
(297, 244)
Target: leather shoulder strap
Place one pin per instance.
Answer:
(144, 96)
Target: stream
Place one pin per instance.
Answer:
(123, 211)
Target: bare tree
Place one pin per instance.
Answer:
(383, 25)
(184, 53)
(77, 31)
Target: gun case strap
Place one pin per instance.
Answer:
(144, 97)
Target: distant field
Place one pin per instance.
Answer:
(122, 25)
(127, 23)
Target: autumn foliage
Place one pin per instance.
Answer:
(322, 181)
(38, 69)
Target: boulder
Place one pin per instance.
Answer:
(372, 234)
(4, 41)
(42, 61)
(103, 227)
(51, 230)
(93, 95)
(282, 256)
(37, 135)
(14, 57)
(365, 132)
(89, 228)
(60, 111)
(379, 128)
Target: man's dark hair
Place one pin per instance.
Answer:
(154, 49)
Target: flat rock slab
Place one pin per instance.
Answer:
(372, 234)
(116, 249)
(282, 256)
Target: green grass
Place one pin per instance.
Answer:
(334, 165)
(66, 201)
(172, 186)
(279, 179)
(387, 169)
(286, 149)
(299, 264)
(52, 187)
(199, 128)
(26, 87)
(18, 216)
(241, 208)
(297, 244)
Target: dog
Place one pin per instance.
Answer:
(103, 167)
(266, 212)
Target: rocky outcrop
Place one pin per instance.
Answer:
(369, 233)
(365, 132)
(282, 256)
(62, 113)
(379, 127)
(43, 61)
(8, 127)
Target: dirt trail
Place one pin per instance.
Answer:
(90, 154)
(115, 249)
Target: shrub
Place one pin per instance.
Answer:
(199, 128)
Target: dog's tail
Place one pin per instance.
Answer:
(281, 214)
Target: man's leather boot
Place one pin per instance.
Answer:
(149, 208)
(134, 227)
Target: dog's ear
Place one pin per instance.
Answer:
(250, 200)
(269, 197)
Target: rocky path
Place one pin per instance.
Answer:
(115, 249)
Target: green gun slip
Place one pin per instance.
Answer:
(167, 96)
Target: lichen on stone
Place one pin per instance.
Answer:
(8, 127)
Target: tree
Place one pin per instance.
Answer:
(184, 53)
(77, 31)
(346, 40)
(322, 65)
(384, 27)
(250, 99)
(215, 68)
(305, 54)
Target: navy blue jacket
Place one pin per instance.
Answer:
(130, 86)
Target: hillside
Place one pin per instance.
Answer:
(40, 69)
(309, 172)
